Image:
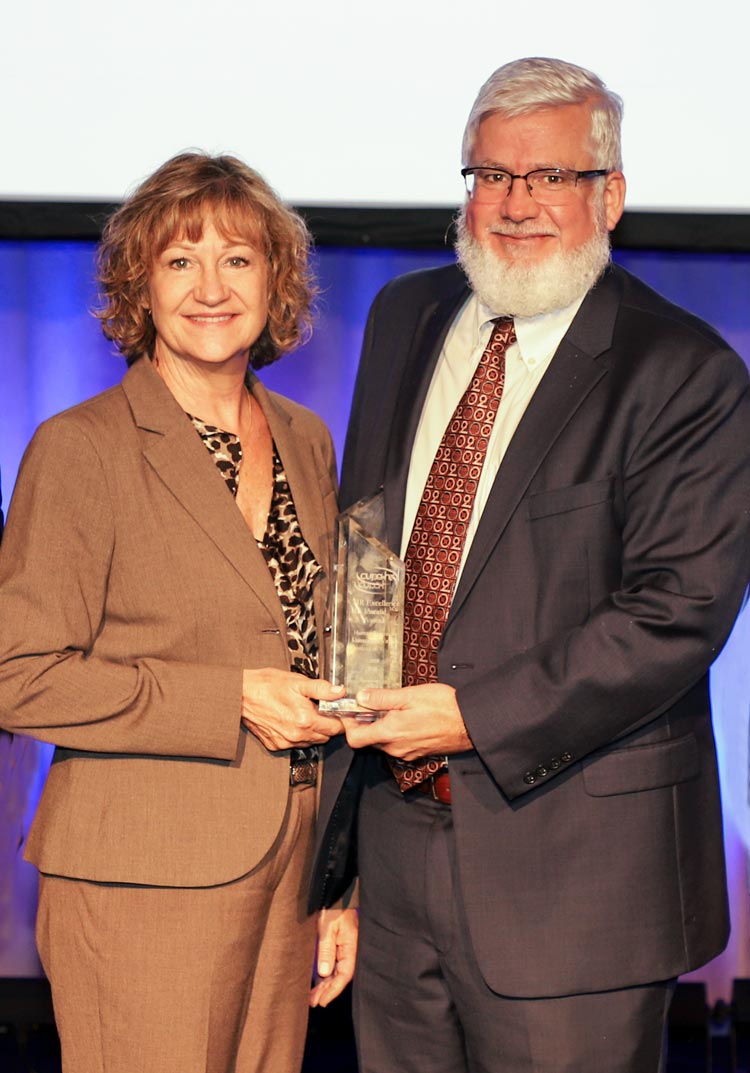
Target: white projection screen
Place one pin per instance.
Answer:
(342, 103)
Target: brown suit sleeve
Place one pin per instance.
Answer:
(57, 682)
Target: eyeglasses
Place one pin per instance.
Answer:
(547, 186)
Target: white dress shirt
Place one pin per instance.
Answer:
(526, 362)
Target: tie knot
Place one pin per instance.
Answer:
(504, 331)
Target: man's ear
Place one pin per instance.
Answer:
(614, 198)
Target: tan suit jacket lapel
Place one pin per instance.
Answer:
(178, 456)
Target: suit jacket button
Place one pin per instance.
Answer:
(566, 758)
(529, 778)
(554, 763)
(541, 771)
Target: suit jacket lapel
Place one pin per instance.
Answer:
(177, 455)
(576, 367)
(420, 364)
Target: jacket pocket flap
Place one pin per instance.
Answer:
(642, 767)
(561, 500)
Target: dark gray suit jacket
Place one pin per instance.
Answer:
(605, 576)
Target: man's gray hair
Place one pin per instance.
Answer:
(530, 84)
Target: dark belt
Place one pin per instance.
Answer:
(437, 786)
(303, 772)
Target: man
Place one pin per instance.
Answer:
(528, 907)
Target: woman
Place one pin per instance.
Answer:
(162, 585)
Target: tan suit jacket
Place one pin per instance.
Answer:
(132, 595)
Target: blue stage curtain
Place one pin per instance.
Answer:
(53, 355)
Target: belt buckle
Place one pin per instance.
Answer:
(432, 783)
(430, 780)
(303, 773)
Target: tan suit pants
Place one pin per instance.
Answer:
(174, 980)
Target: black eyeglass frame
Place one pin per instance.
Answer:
(591, 173)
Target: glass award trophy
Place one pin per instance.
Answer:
(367, 608)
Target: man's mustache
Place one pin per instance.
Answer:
(519, 230)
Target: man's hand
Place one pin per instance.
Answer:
(337, 953)
(418, 721)
(278, 708)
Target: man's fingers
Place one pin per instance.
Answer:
(327, 990)
(326, 956)
(381, 700)
(359, 735)
(337, 954)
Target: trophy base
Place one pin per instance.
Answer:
(347, 706)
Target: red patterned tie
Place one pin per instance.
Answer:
(433, 556)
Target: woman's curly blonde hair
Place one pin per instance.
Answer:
(175, 202)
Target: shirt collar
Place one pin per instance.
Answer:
(537, 337)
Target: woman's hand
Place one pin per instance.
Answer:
(278, 708)
(337, 953)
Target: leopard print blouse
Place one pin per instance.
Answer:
(291, 562)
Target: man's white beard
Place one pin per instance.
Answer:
(518, 289)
